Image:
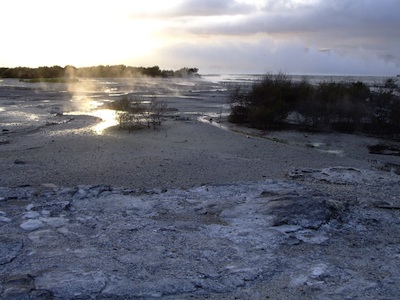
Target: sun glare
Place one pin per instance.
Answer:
(108, 119)
(80, 33)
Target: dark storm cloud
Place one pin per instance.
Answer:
(353, 17)
(266, 56)
(342, 26)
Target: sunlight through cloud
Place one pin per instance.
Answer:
(143, 33)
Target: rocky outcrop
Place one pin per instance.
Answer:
(101, 242)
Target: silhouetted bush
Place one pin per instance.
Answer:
(239, 114)
(341, 106)
(239, 106)
(386, 109)
(269, 101)
(186, 72)
(337, 106)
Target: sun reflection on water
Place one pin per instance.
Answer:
(82, 105)
(108, 119)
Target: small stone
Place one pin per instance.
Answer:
(19, 162)
(318, 271)
(32, 225)
(286, 228)
(5, 219)
(311, 237)
(45, 213)
(55, 222)
(49, 185)
(29, 206)
(32, 215)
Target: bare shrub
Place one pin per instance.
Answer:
(156, 113)
(132, 113)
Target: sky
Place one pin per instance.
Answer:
(340, 37)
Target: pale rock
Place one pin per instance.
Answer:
(32, 225)
(311, 237)
(55, 221)
(45, 213)
(32, 215)
(286, 228)
(49, 185)
(5, 219)
(29, 207)
(318, 271)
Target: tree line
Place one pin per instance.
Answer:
(277, 102)
(107, 71)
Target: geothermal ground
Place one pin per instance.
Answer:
(198, 209)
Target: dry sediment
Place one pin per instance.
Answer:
(196, 212)
(181, 154)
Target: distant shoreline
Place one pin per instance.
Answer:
(100, 71)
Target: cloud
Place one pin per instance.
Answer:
(193, 9)
(349, 18)
(265, 55)
(343, 26)
(211, 8)
(301, 36)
